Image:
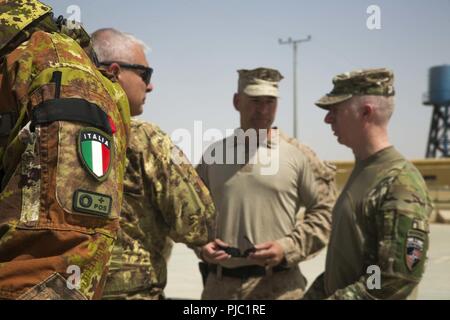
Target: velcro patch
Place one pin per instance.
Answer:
(421, 225)
(92, 203)
(414, 251)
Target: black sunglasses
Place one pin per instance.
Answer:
(144, 72)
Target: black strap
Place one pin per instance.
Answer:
(70, 109)
(56, 78)
(246, 271)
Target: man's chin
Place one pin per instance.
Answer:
(261, 130)
(136, 111)
(262, 125)
(340, 141)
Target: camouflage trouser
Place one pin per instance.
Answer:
(285, 285)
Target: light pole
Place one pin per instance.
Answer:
(294, 43)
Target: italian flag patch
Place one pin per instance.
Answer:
(96, 150)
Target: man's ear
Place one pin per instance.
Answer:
(114, 68)
(367, 112)
(236, 101)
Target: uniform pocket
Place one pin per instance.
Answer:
(53, 288)
(86, 178)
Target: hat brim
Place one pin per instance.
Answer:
(261, 90)
(328, 100)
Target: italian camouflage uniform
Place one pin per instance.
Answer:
(59, 204)
(163, 197)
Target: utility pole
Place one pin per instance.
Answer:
(294, 43)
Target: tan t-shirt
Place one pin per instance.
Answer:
(261, 199)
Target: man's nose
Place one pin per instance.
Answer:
(149, 87)
(328, 118)
(263, 107)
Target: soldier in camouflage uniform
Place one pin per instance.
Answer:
(379, 238)
(62, 149)
(163, 195)
(258, 207)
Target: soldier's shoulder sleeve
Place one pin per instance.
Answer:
(77, 201)
(408, 194)
(149, 137)
(317, 191)
(408, 201)
(396, 212)
(203, 166)
(179, 193)
(402, 206)
(321, 168)
(324, 171)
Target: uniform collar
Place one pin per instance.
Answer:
(270, 141)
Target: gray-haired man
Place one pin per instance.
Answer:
(162, 198)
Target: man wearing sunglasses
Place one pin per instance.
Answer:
(162, 198)
(127, 62)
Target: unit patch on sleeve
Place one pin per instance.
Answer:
(92, 203)
(414, 251)
(96, 149)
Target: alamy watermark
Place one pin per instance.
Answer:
(212, 146)
(373, 22)
(374, 280)
(74, 280)
(74, 18)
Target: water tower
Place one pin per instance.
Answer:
(439, 97)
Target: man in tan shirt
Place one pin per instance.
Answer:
(259, 179)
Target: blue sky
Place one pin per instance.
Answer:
(197, 46)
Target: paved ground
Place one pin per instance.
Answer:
(184, 279)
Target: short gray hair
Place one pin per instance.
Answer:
(112, 45)
(384, 107)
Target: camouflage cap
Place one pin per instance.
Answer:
(259, 82)
(16, 15)
(377, 82)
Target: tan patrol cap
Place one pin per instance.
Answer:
(378, 82)
(259, 82)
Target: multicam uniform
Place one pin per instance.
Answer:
(379, 237)
(62, 150)
(163, 197)
(380, 219)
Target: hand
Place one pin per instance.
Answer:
(268, 254)
(212, 253)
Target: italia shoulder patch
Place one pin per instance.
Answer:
(96, 149)
(92, 203)
(414, 250)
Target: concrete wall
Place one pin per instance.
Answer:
(436, 173)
